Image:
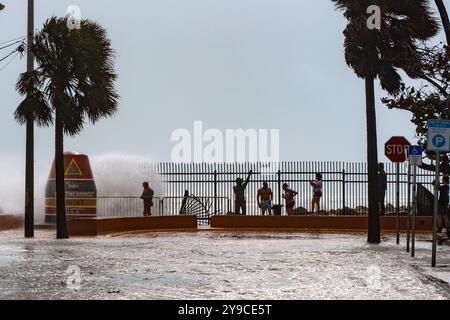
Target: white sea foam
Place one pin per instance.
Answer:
(115, 175)
(122, 174)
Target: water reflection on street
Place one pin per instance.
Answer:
(217, 265)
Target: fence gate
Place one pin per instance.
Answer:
(202, 208)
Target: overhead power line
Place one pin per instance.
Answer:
(15, 39)
(10, 61)
(10, 45)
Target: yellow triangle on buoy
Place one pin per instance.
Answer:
(73, 169)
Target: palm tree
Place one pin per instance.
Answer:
(444, 18)
(378, 53)
(74, 81)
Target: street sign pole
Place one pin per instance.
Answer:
(396, 150)
(397, 202)
(414, 211)
(415, 159)
(435, 209)
(408, 221)
(438, 140)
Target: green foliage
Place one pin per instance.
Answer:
(429, 101)
(74, 75)
(379, 53)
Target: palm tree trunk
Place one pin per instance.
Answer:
(61, 226)
(445, 20)
(372, 163)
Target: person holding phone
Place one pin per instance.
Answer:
(317, 192)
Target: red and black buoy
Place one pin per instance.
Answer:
(81, 192)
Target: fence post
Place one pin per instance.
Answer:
(279, 186)
(343, 192)
(215, 191)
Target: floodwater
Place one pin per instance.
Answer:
(218, 265)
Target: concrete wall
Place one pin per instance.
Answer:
(8, 221)
(334, 223)
(99, 226)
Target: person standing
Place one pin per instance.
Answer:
(289, 198)
(264, 198)
(443, 205)
(147, 196)
(239, 195)
(382, 187)
(317, 192)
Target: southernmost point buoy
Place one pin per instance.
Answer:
(81, 192)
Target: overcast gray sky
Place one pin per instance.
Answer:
(230, 63)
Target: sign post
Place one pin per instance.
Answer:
(438, 141)
(396, 150)
(408, 209)
(415, 159)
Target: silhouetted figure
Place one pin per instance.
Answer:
(184, 202)
(382, 187)
(147, 196)
(239, 193)
(289, 198)
(265, 197)
(443, 206)
(317, 192)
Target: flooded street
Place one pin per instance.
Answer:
(218, 265)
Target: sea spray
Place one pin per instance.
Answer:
(115, 175)
(12, 185)
(119, 179)
(119, 175)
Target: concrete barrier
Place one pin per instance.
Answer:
(326, 223)
(9, 221)
(100, 226)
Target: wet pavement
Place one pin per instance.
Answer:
(218, 265)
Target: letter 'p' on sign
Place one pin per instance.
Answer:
(396, 149)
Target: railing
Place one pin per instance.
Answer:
(208, 203)
(344, 192)
(125, 206)
(344, 186)
(133, 206)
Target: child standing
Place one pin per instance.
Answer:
(317, 191)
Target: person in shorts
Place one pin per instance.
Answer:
(239, 195)
(264, 198)
(289, 198)
(317, 192)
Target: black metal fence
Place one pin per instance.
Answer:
(125, 206)
(344, 184)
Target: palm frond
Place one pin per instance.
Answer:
(75, 73)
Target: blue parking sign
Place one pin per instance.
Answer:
(415, 155)
(415, 151)
(438, 135)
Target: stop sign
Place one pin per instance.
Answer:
(396, 149)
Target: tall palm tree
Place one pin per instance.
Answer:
(379, 53)
(74, 81)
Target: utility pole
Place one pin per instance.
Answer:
(29, 165)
